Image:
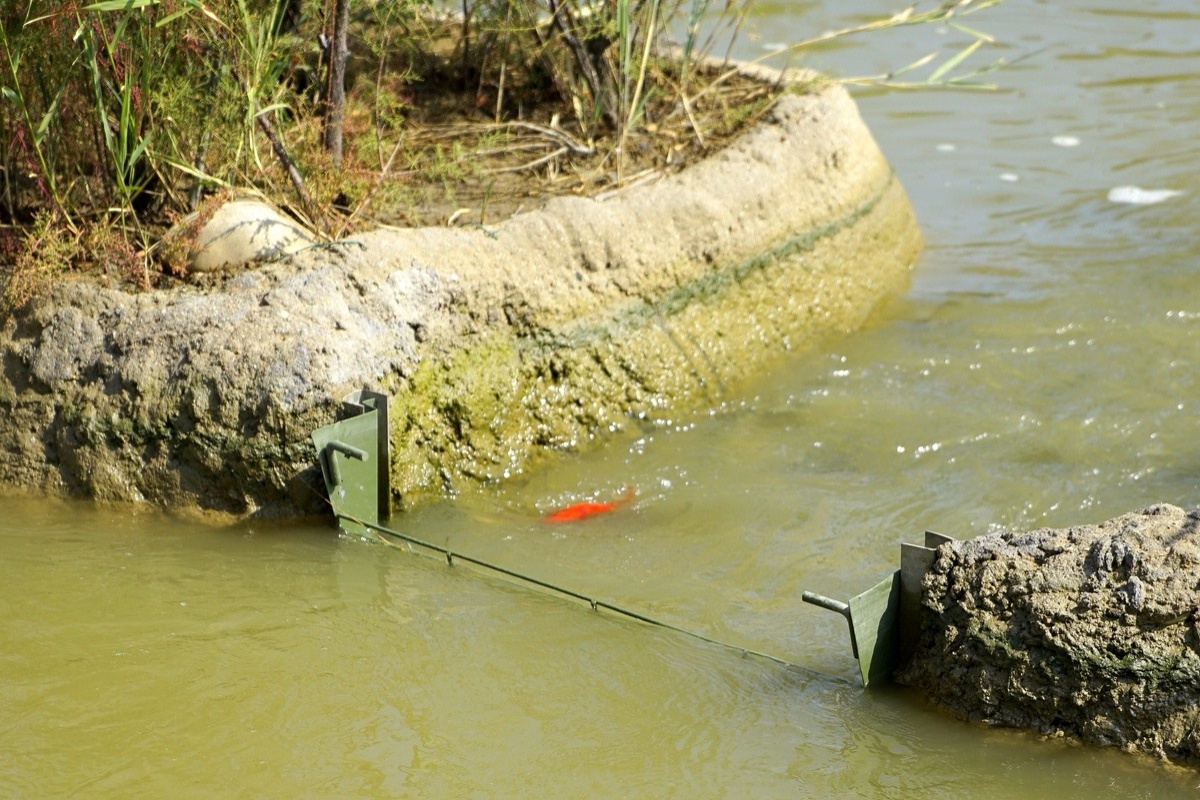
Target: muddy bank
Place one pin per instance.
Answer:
(501, 344)
(1090, 631)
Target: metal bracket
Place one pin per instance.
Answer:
(884, 620)
(836, 606)
(355, 458)
(871, 617)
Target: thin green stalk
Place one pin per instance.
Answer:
(115, 82)
(698, 9)
(907, 17)
(37, 128)
(633, 105)
(625, 50)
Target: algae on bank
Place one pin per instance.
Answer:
(485, 412)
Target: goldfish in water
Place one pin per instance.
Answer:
(578, 511)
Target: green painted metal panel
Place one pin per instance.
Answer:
(349, 455)
(360, 402)
(874, 617)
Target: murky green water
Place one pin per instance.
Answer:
(1040, 372)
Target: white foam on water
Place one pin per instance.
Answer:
(1010, 177)
(1066, 141)
(1135, 195)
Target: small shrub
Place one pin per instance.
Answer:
(45, 253)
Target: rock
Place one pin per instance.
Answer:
(242, 232)
(70, 344)
(1089, 631)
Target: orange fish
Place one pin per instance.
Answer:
(578, 511)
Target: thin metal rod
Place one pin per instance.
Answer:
(826, 602)
(837, 606)
(348, 450)
(453, 557)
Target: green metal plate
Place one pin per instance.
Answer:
(875, 615)
(352, 483)
(915, 561)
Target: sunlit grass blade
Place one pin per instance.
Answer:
(974, 32)
(920, 62)
(198, 174)
(119, 5)
(954, 61)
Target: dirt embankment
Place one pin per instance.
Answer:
(500, 343)
(1090, 631)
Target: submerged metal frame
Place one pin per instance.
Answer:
(884, 620)
(355, 458)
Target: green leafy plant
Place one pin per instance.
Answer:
(43, 255)
(32, 109)
(120, 71)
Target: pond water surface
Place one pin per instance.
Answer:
(1042, 370)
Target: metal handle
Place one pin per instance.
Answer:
(350, 451)
(834, 605)
(826, 602)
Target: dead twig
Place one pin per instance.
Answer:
(562, 151)
(553, 133)
(345, 227)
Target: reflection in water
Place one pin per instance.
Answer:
(1040, 372)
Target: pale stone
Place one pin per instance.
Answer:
(244, 232)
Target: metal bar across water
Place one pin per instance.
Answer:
(594, 603)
